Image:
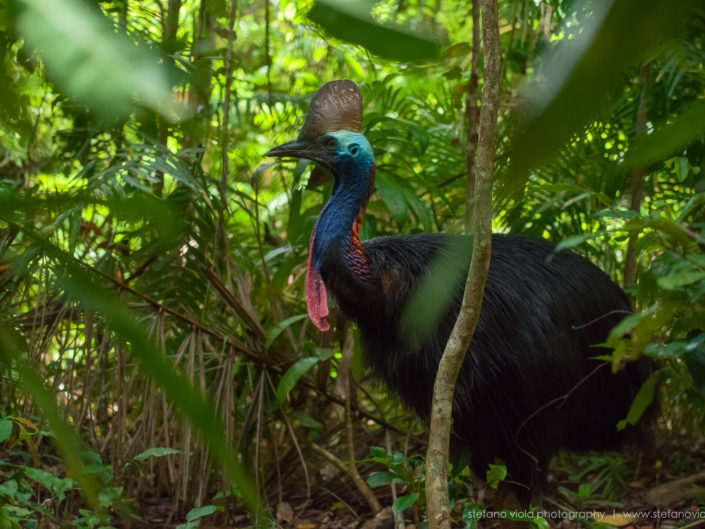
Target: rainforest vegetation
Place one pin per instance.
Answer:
(157, 365)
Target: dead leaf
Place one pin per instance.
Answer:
(615, 520)
(284, 512)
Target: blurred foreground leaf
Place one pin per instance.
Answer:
(93, 63)
(438, 291)
(666, 139)
(580, 71)
(80, 285)
(14, 358)
(352, 22)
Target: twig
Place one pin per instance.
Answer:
(345, 377)
(233, 302)
(363, 487)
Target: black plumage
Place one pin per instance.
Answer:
(530, 384)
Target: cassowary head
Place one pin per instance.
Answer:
(332, 133)
(332, 137)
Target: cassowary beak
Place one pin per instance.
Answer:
(296, 149)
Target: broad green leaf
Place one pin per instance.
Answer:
(380, 479)
(351, 21)
(643, 399)
(378, 451)
(420, 210)
(472, 514)
(404, 502)
(276, 331)
(58, 486)
(392, 194)
(5, 428)
(680, 278)
(93, 63)
(157, 451)
(585, 490)
(573, 241)
(200, 512)
(292, 376)
(495, 475)
(307, 421)
(323, 353)
(695, 360)
(9, 488)
(682, 167)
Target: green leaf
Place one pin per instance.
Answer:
(680, 278)
(461, 49)
(495, 475)
(682, 168)
(9, 488)
(404, 502)
(585, 491)
(695, 360)
(92, 62)
(642, 400)
(157, 451)
(378, 451)
(352, 22)
(573, 241)
(276, 331)
(5, 428)
(200, 512)
(292, 376)
(58, 486)
(380, 479)
(323, 353)
(307, 421)
(471, 515)
(392, 193)
(420, 210)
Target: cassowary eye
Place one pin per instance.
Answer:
(331, 144)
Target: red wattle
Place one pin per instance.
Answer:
(316, 296)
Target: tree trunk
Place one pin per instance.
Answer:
(449, 367)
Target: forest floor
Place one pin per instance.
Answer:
(663, 489)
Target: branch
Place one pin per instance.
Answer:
(345, 374)
(637, 186)
(460, 337)
(473, 116)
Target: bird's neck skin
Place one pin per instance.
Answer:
(337, 235)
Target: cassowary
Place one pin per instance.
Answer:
(530, 384)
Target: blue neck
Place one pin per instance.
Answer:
(336, 229)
